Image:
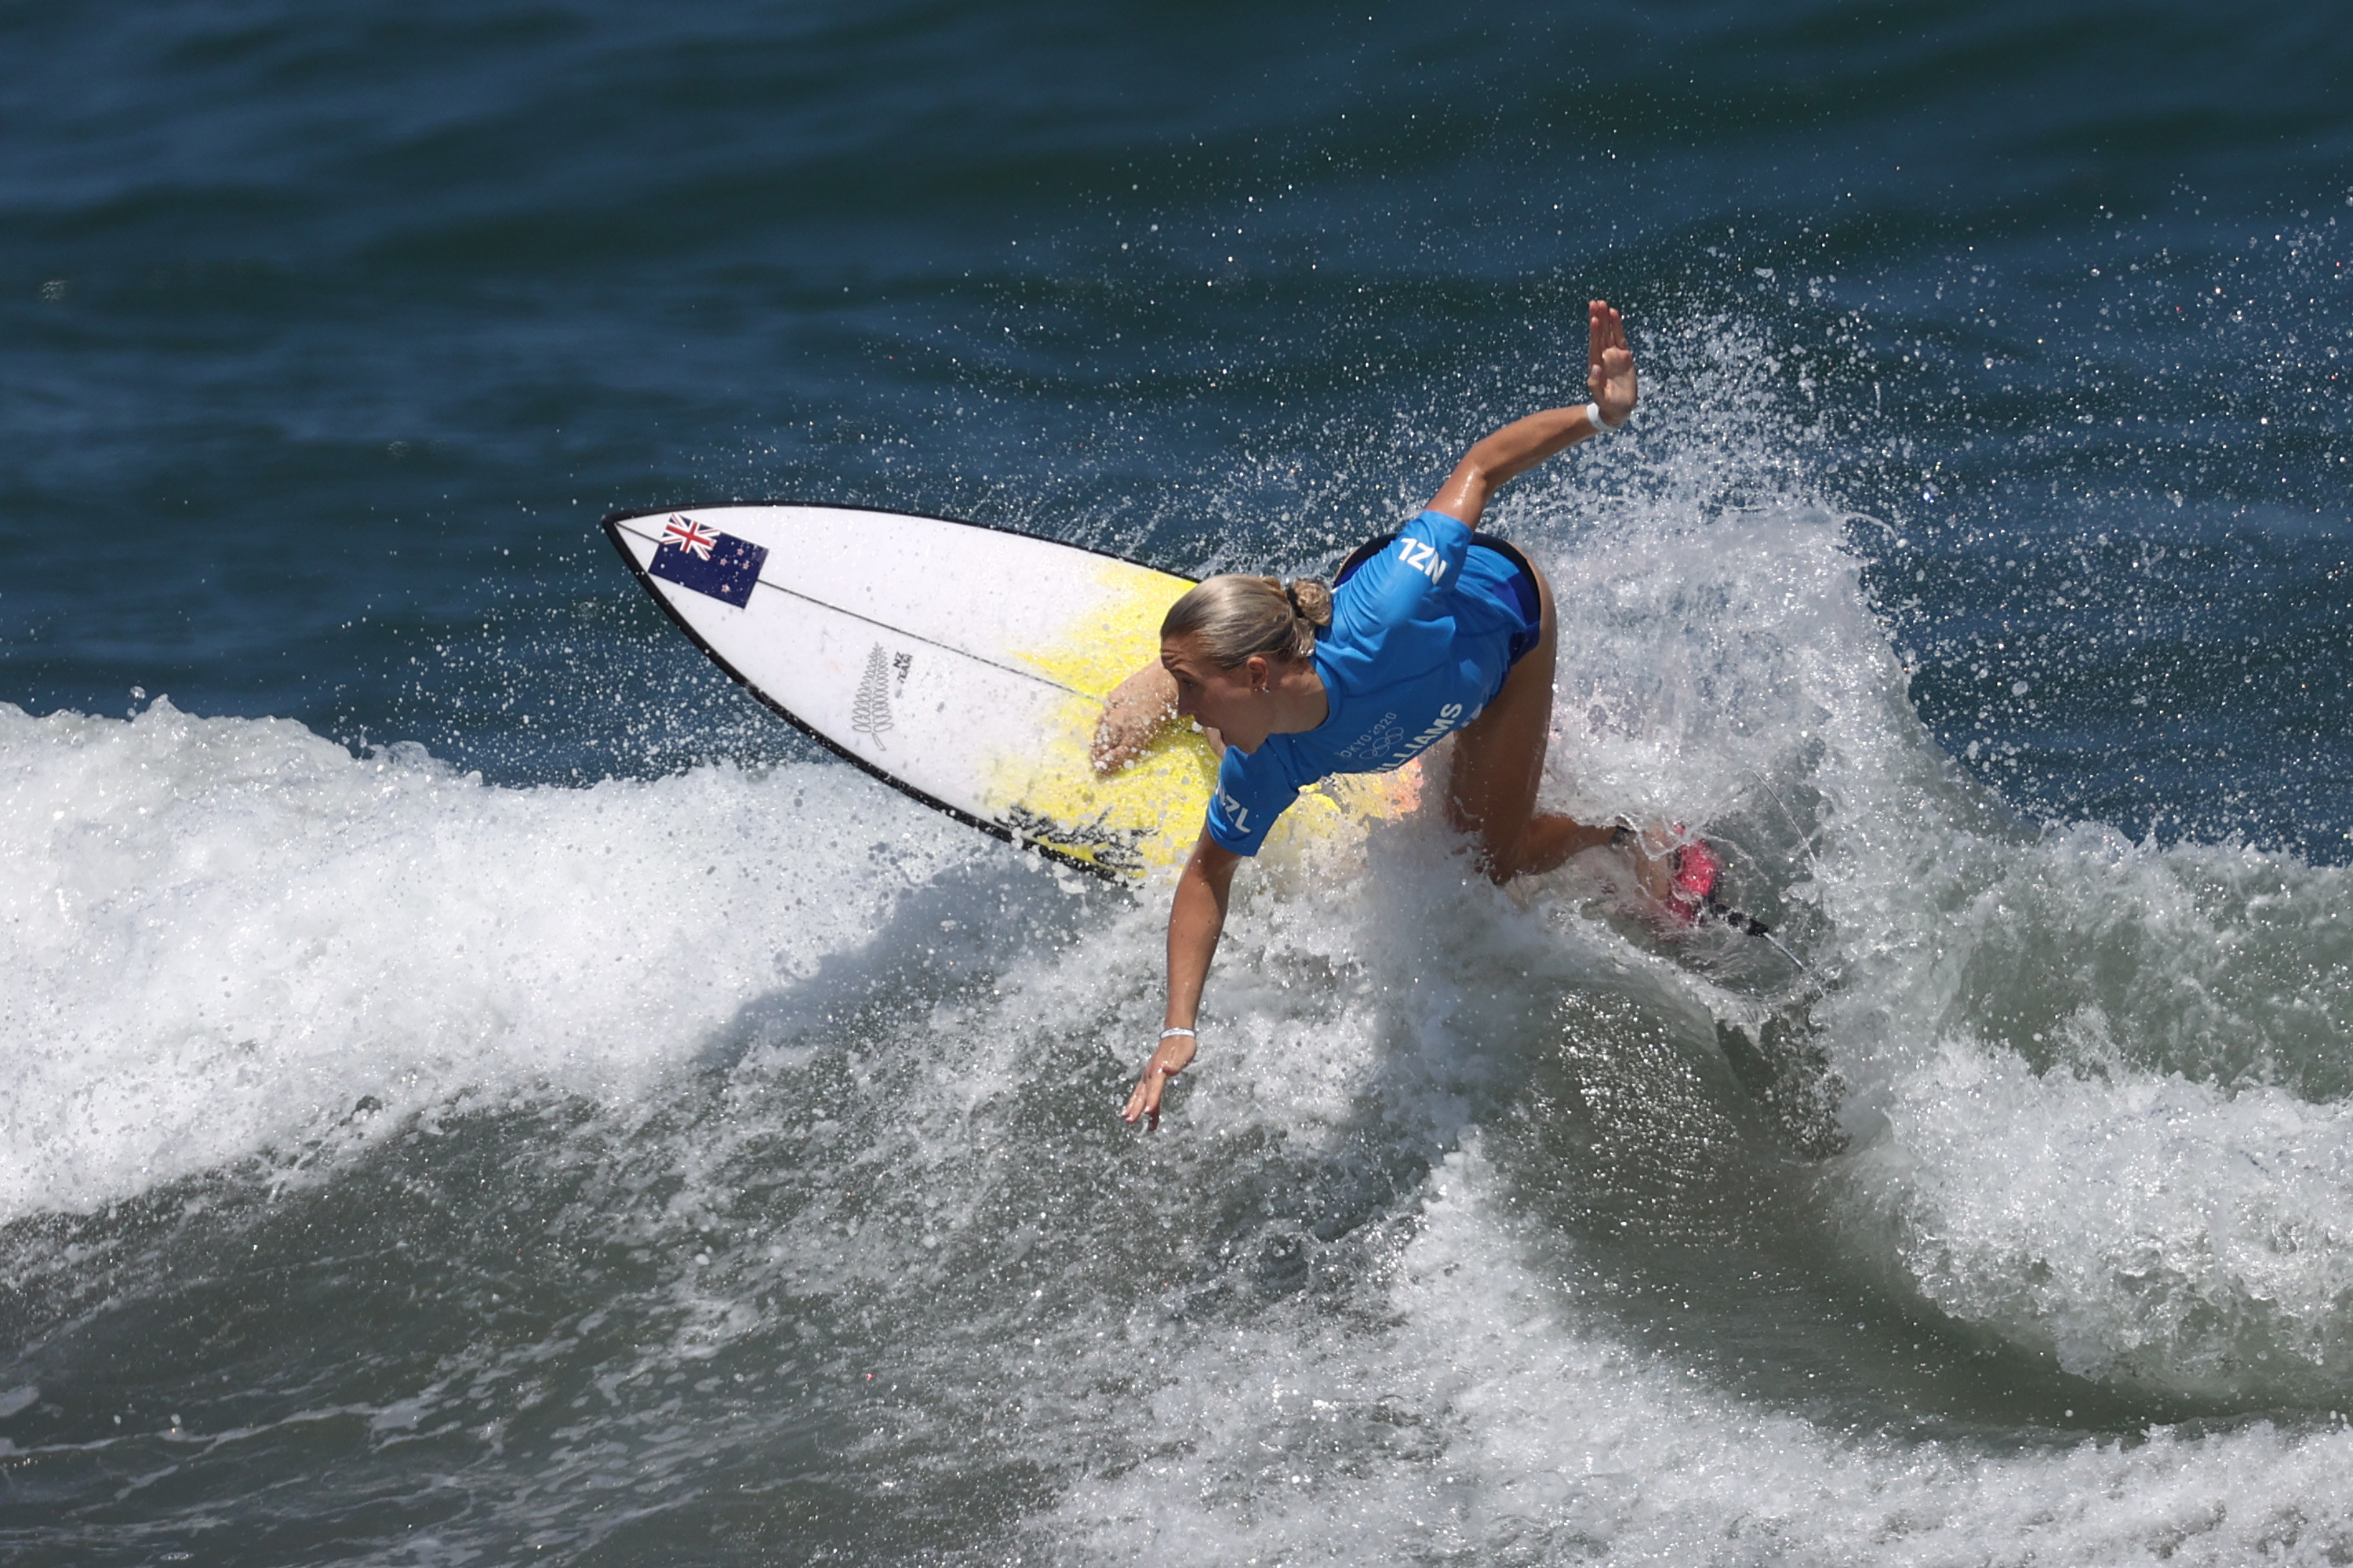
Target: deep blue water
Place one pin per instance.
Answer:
(2014, 335)
(338, 334)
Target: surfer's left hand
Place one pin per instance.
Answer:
(1174, 1055)
(1610, 362)
(1134, 714)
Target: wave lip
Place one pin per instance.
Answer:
(2098, 1092)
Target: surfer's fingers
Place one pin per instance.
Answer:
(1607, 353)
(1605, 330)
(1614, 328)
(1144, 1100)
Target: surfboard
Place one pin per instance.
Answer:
(963, 664)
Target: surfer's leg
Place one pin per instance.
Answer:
(1499, 762)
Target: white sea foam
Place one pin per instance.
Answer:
(2146, 1229)
(221, 934)
(1500, 1419)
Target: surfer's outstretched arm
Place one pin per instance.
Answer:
(1524, 443)
(1196, 919)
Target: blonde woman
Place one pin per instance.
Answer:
(1437, 630)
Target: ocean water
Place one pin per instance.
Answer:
(479, 1090)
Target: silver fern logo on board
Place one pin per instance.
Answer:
(870, 711)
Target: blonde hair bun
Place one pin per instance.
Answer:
(1236, 617)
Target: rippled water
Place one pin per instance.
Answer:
(479, 1090)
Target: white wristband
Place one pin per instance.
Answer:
(1187, 1033)
(1593, 416)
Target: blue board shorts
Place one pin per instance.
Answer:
(1505, 575)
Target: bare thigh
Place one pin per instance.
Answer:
(1499, 756)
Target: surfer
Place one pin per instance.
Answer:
(1435, 631)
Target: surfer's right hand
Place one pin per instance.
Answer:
(1134, 714)
(1174, 1055)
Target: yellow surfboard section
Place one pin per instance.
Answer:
(1143, 818)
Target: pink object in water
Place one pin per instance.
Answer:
(1696, 869)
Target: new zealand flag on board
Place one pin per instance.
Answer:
(698, 557)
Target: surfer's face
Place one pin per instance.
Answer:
(1231, 702)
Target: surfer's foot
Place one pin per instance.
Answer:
(1697, 867)
(1678, 873)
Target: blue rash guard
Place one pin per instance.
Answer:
(1422, 638)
